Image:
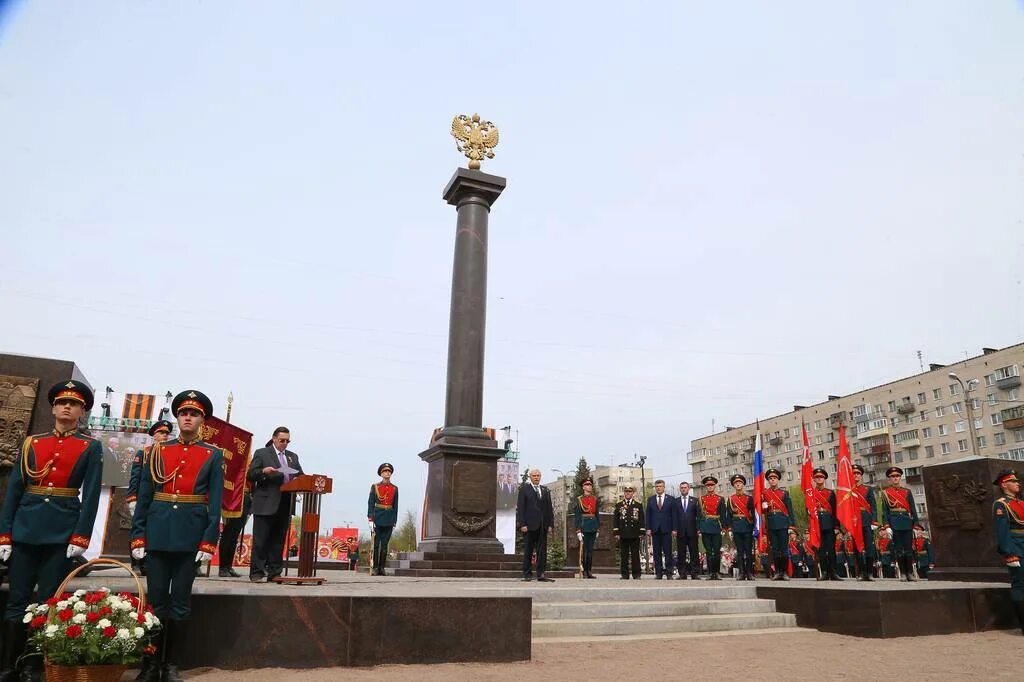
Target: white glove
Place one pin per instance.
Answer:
(203, 556)
(75, 550)
(139, 553)
(5, 552)
(888, 533)
(131, 509)
(1012, 564)
(579, 536)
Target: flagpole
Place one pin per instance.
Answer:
(227, 415)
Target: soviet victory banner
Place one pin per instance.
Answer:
(237, 445)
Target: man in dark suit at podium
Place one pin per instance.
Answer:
(271, 509)
(686, 532)
(535, 518)
(661, 529)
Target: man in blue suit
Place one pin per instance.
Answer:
(661, 529)
(685, 523)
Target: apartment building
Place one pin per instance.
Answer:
(971, 407)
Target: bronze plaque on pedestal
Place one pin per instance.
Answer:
(472, 487)
(17, 398)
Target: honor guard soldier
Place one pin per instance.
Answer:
(865, 500)
(587, 523)
(1008, 515)
(44, 523)
(741, 514)
(628, 528)
(777, 509)
(176, 524)
(885, 556)
(382, 513)
(763, 554)
(160, 431)
(807, 551)
(900, 516)
(923, 553)
(712, 517)
(824, 501)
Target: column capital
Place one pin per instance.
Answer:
(466, 182)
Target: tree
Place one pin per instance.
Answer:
(801, 519)
(404, 538)
(582, 473)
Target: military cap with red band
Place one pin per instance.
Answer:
(193, 400)
(71, 390)
(1004, 476)
(161, 424)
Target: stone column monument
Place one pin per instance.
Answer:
(462, 461)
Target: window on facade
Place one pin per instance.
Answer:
(1011, 395)
(940, 411)
(1000, 438)
(977, 423)
(929, 451)
(960, 426)
(926, 432)
(990, 379)
(992, 400)
(1018, 435)
(942, 429)
(954, 389)
(944, 448)
(789, 461)
(892, 405)
(961, 445)
(921, 399)
(789, 477)
(922, 415)
(1006, 372)
(958, 407)
(913, 454)
(920, 507)
(821, 454)
(899, 457)
(817, 440)
(981, 442)
(817, 424)
(975, 403)
(996, 418)
(937, 394)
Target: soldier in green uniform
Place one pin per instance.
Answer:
(43, 522)
(777, 510)
(865, 498)
(160, 431)
(1008, 518)
(382, 512)
(176, 525)
(712, 517)
(899, 514)
(586, 522)
(627, 528)
(741, 526)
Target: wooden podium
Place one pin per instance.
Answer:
(312, 487)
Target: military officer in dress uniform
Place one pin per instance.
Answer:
(1008, 517)
(824, 501)
(923, 553)
(865, 500)
(627, 529)
(586, 522)
(741, 526)
(160, 431)
(841, 555)
(382, 512)
(899, 514)
(176, 524)
(777, 509)
(712, 517)
(44, 523)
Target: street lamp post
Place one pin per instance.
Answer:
(967, 388)
(565, 512)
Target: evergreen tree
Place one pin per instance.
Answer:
(582, 473)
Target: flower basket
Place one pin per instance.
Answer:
(91, 636)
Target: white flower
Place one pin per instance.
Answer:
(81, 606)
(133, 615)
(27, 618)
(51, 631)
(139, 632)
(42, 608)
(62, 604)
(104, 589)
(152, 619)
(78, 618)
(79, 593)
(73, 599)
(123, 633)
(31, 607)
(104, 623)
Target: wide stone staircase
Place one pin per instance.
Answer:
(461, 565)
(596, 611)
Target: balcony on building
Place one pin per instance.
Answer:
(835, 420)
(732, 450)
(915, 477)
(697, 456)
(906, 407)
(881, 449)
(874, 433)
(909, 439)
(775, 440)
(748, 445)
(1007, 378)
(1013, 418)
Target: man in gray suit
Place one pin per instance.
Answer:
(271, 509)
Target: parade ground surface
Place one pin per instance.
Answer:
(479, 627)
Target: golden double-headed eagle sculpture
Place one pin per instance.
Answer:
(474, 138)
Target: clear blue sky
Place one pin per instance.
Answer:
(714, 210)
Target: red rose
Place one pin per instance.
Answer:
(94, 597)
(134, 602)
(37, 622)
(65, 615)
(74, 631)
(109, 632)
(92, 617)
(141, 618)
(106, 611)
(124, 595)
(52, 601)
(66, 595)
(149, 650)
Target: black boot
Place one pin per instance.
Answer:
(169, 669)
(1018, 606)
(13, 644)
(865, 569)
(150, 670)
(908, 570)
(31, 669)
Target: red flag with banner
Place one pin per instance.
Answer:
(807, 485)
(848, 509)
(236, 444)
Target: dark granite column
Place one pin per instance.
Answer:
(462, 462)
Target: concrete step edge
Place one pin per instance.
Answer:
(649, 619)
(569, 639)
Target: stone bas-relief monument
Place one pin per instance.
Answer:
(462, 461)
(17, 399)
